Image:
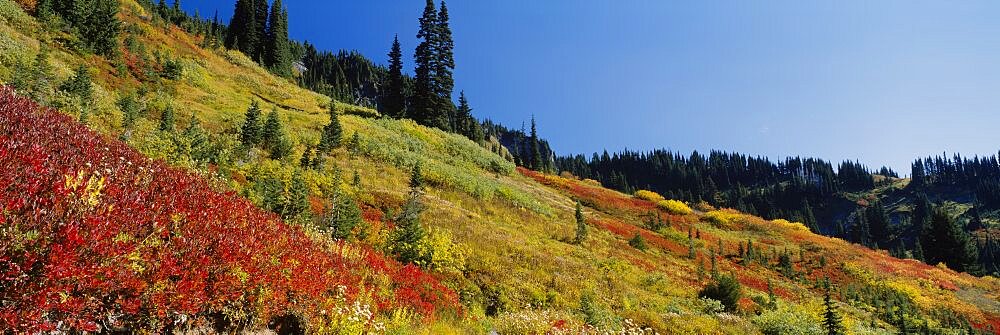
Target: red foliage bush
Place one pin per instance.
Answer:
(93, 234)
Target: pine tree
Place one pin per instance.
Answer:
(950, 244)
(332, 132)
(639, 243)
(243, 28)
(356, 181)
(444, 67)
(725, 289)
(260, 24)
(394, 103)
(79, 85)
(167, 119)
(536, 154)
(279, 59)
(343, 217)
(416, 179)
(99, 26)
(831, 318)
(270, 135)
(130, 110)
(305, 162)
(581, 224)
(468, 125)
(424, 106)
(298, 197)
(42, 79)
(409, 232)
(201, 146)
(250, 133)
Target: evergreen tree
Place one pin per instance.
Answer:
(167, 119)
(725, 289)
(279, 58)
(79, 85)
(468, 125)
(356, 181)
(244, 31)
(270, 135)
(250, 133)
(950, 244)
(306, 161)
(201, 147)
(581, 224)
(260, 24)
(878, 222)
(639, 243)
(394, 100)
(343, 217)
(409, 232)
(297, 201)
(424, 108)
(99, 26)
(332, 132)
(831, 318)
(444, 67)
(536, 155)
(42, 78)
(130, 110)
(416, 178)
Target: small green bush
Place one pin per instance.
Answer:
(725, 289)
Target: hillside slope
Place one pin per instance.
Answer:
(502, 238)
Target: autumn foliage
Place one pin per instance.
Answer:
(94, 236)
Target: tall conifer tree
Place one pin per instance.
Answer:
(424, 105)
(279, 58)
(258, 53)
(394, 104)
(444, 68)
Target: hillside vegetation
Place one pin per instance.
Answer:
(502, 248)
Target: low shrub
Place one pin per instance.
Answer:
(675, 207)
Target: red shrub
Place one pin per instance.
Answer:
(92, 232)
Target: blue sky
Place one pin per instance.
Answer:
(877, 81)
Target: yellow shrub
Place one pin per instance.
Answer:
(649, 195)
(793, 225)
(720, 218)
(675, 207)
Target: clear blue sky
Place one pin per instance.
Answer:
(878, 81)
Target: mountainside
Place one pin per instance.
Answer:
(148, 208)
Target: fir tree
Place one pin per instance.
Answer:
(639, 243)
(394, 103)
(250, 133)
(79, 85)
(167, 119)
(536, 154)
(424, 107)
(416, 179)
(243, 34)
(356, 181)
(581, 224)
(332, 132)
(100, 27)
(343, 217)
(298, 198)
(201, 146)
(305, 162)
(831, 318)
(260, 24)
(725, 289)
(950, 244)
(271, 134)
(130, 110)
(41, 78)
(444, 84)
(279, 59)
(409, 232)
